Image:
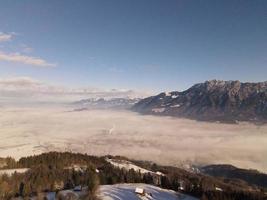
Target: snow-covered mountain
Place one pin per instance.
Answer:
(105, 103)
(214, 100)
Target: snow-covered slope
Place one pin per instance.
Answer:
(125, 164)
(128, 165)
(127, 192)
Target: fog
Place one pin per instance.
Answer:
(165, 140)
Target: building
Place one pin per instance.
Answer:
(140, 191)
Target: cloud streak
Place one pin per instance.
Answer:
(5, 37)
(27, 88)
(23, 59)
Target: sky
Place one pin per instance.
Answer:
(148, 45)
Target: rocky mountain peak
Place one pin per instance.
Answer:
(214, 100)
(212, 85)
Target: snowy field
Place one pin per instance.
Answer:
(126, 192)
(165, 140)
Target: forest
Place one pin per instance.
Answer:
(56, 171)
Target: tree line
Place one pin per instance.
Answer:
(55, 171)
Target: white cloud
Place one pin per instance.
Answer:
(18, 82)
(18, 58)
(4, 37)
(26, 88)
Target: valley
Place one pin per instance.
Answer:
(165, 140)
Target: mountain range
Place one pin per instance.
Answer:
(105, 103)
(214, 100)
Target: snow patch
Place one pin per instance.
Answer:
(168, 94)
(218, 189)
(175, 106)
(160, 173)
(158, 110)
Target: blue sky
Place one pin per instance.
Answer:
(153, 45)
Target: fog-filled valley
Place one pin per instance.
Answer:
(164, 140)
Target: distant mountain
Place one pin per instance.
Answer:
(227, 101)
(102, 103)
(252, 177)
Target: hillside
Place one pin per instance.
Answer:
(226, 101)
(127, 192)
(252, 177)
(67, 173)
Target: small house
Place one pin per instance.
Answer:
(140, 191)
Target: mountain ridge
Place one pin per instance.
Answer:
(105, 103)
(214, 100)
(251, 176)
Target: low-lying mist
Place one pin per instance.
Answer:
(165, 140)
